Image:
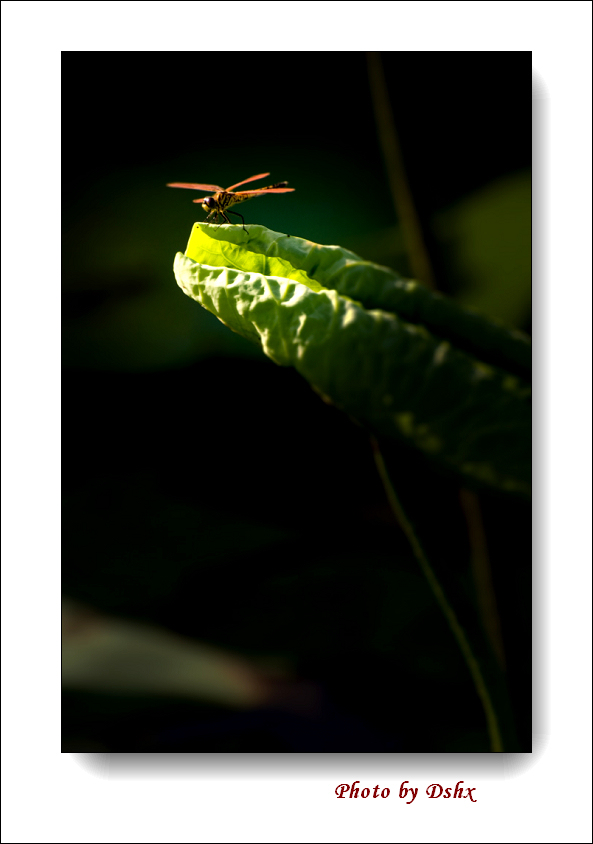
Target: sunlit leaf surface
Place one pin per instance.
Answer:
(405, 362)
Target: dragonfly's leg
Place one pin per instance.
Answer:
(239, 215)
(225, 218)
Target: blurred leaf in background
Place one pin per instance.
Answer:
(121, 657)
(487, 240)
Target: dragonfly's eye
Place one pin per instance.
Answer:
(208, 203)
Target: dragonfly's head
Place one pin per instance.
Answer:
(209, 203)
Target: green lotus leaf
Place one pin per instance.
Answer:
(403, 361)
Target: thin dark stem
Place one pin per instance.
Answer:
(482, 574)
(448, 611)
(396, 173)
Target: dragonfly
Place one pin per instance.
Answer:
(222, 198)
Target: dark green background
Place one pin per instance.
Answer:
(212, 493)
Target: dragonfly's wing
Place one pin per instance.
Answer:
(264, 190)
(250, 179)
(213, 188)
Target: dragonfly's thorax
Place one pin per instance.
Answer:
(225, 200)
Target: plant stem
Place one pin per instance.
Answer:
(482, 574)
(456, 628)
(396, 173)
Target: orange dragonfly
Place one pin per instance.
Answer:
(222, 199)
